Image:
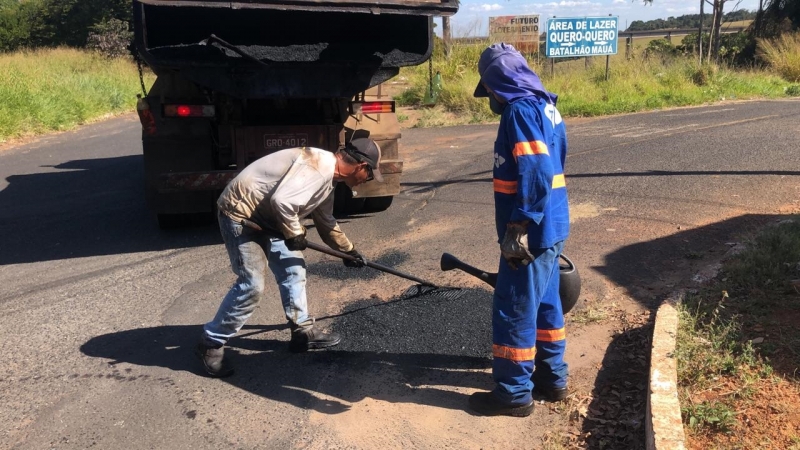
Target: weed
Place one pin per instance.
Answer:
(702, 75)
(793, 90)
(769, 263)
(715, 416)
(783, 54)
(402, 117)
(553, 441)
(588, 314)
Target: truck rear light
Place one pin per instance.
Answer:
(189, 111)
(371, 107)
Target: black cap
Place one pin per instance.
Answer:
(366, 150)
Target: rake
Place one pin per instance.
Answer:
(423, 288)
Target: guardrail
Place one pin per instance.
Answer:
(628, 35)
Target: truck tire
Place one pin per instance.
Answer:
(378, 204)
(343, 201)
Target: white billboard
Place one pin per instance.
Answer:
(514, 29)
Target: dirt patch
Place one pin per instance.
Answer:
(768, 419)
(579, 211)
(612, 415)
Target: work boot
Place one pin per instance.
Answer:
(488, 404)
(213, 361)
(550, 394)
(310, 338)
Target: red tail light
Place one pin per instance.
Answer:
(189, 111)
(371, 107)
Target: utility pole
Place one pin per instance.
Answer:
(700, 33)
(720, 4)
(711, 33)
(446, 36)
(759, 17)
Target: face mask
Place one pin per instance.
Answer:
(496, 106)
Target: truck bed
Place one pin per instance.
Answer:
(417, 7)
(279, 52)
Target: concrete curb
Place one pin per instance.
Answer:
(663, 425)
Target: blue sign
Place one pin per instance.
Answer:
(571, 37)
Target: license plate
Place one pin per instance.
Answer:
(282, 141)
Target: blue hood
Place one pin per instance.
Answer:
(507, 74)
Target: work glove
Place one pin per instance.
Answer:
(514, 247)
(297, 243)
(359, 261)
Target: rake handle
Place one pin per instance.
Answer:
(335, 253)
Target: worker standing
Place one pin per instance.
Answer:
(532, 219)
(276, 192)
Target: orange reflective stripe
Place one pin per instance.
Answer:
(505, 187)
(559, 181)
(558, 334)
(514, 354)
(530, 148)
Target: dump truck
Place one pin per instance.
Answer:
(238, 80)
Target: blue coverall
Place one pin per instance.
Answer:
(527, 322)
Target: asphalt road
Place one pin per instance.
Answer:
(101, 309)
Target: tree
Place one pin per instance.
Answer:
(20, 24)
(446, 36)
(778, 16)
(69, 22)
(717, 8)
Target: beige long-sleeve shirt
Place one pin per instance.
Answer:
(282, 188)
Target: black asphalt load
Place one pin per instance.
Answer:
(424, 324)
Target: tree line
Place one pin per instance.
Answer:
(687, 21)
(50, 23)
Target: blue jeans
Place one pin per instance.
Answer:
(250, 252)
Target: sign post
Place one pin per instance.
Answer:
(571, 37)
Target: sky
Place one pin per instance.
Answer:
(472, 18)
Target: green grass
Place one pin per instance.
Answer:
(634, 85)
(755, 293)
(58, 89)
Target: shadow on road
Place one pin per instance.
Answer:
(649, 271)
(661, 173)
(87, 207)
(324, 381)
(391, 350)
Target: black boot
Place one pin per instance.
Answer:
(310, 338)
(487, 404)
(213, 361)
(550, 394)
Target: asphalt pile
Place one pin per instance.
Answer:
(334, 269)
(291, 53)
(425, 324)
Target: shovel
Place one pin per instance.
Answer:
(422, 288)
